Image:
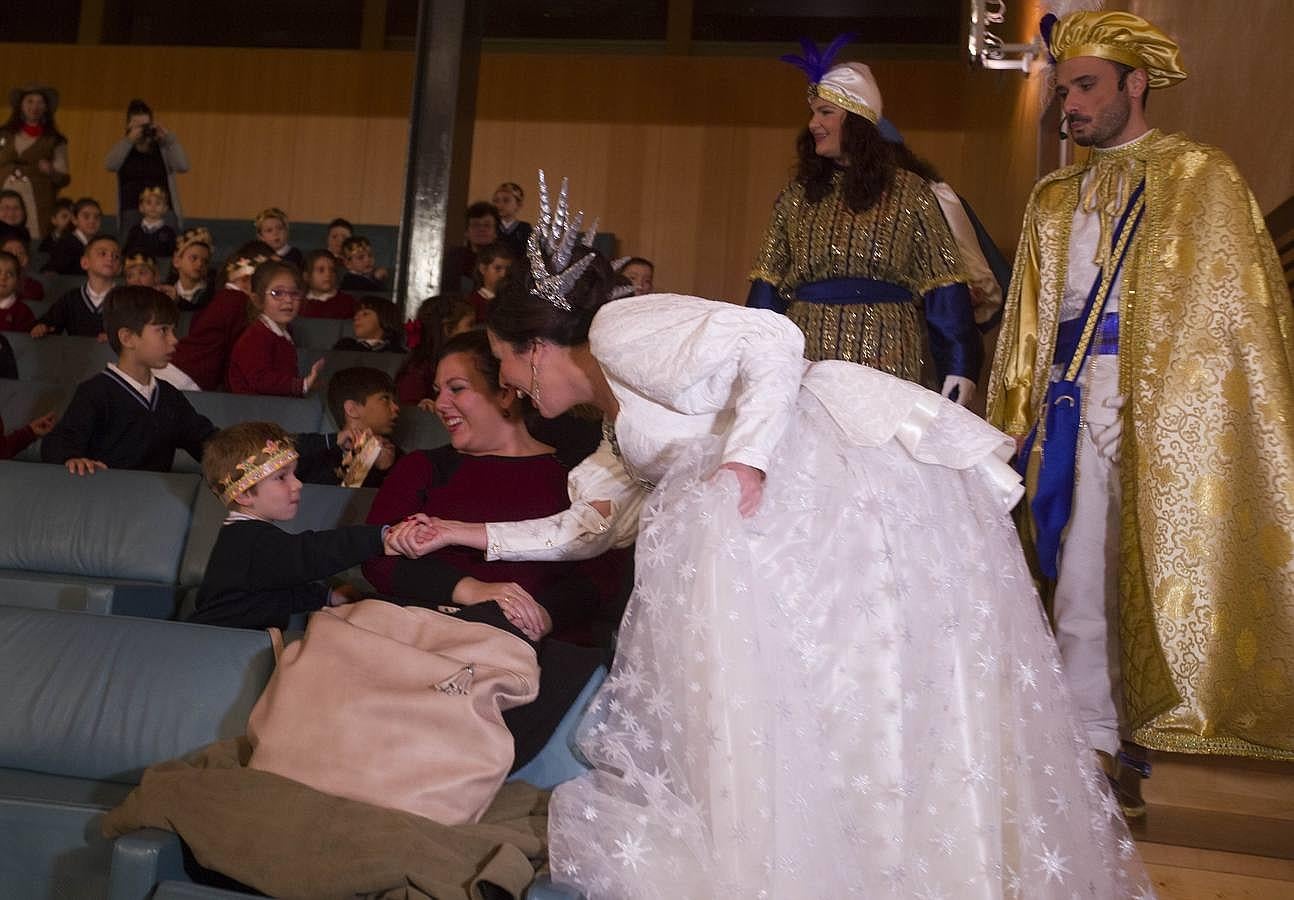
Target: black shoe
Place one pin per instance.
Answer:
(1125, 783)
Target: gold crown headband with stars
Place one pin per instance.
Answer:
(254, 469)
(193, 236)
(152, 192)
(272, 212)
(140, 259)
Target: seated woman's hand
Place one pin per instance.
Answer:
(519, 608)
(751, 483)
(414, 537)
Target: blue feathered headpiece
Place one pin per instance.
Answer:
(816, 63)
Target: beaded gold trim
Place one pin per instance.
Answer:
(265, 462)
(844, 101)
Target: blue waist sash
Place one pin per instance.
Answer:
(1105, 341)
(849, 291)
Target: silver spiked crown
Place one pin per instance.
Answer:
(553, 242)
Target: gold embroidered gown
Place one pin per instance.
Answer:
(1206, 362)
(883, 287)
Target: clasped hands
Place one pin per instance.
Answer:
(420, 534)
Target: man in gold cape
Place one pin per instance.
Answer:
(1185, 459)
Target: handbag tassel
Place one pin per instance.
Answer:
(458, 683)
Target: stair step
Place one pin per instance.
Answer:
(1187, 873)
(1207, 829)
(1226, 784)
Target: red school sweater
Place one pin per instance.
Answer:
(262, 362)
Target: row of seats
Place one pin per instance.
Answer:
(317, 334)
(91, 701)
(70, 358)
(124, 542)
(416, 429)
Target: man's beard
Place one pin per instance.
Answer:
(1108, 124)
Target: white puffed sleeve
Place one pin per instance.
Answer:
(988, 293)
(580, 532)
(702, 357)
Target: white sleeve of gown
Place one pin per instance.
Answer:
(579, 532)
(697, 356)
(988, 291)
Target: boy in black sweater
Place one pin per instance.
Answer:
(80, 310)
(258, 574)
(124, 418)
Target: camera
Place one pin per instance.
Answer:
(148, 132)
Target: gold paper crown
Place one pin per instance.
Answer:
(254, 469)
(193, 236)
(140, 259)
(1119, 37)
(272, 212)
(152, 191)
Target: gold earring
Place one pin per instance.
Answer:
(534, 381)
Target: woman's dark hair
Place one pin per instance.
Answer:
(518, 316)
(16, 121)
(388, 316)
(476, 345)
(868, 174)
(917, 165)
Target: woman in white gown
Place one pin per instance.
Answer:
(834, 677)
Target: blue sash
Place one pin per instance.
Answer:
(836, 291)
(1053, 500)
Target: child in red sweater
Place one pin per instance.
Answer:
(264, 358)
(203, 353)
(28, 288)
(14, 314)
(323, 300)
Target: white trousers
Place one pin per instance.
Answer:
(1086, 605)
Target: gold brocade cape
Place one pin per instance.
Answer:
(1206, 360)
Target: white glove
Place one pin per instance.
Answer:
(964, 386)
(1109, 438)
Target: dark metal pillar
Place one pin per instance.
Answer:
(447, 57)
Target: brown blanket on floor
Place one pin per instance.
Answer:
(288, 840)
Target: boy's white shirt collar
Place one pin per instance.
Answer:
(187, 294)
(96, 298)
(236, 516)
(8, 302)
(275, 327)
(144, 224)
(81, 236)
(145, 390)
(315, 295)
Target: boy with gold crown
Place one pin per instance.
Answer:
(1146, 370)
(260, 575)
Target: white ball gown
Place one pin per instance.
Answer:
(854, 693)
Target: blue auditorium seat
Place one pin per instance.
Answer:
(59, 357)
(296, 415)
(109, 542)
(23, 401)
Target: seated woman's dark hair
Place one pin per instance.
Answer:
(518, 315)
(868, 174)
